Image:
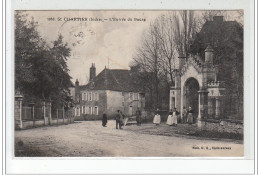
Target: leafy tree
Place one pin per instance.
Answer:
(41, 71)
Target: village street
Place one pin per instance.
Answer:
(90, 139)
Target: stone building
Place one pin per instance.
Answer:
(109, 91)
(197, 85)
(210, 80)
(226, 38)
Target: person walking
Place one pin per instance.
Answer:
(190, 116)
(118, 119)
(104, 120)
(184, 115)
(157, 118)
(138, 116)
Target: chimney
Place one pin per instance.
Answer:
(77, 83)
(77, 90)
(218, 19)
(92, 73)
(209, 55)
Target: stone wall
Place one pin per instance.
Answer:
(224, 125)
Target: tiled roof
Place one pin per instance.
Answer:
(113, 79)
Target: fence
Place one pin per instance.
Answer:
(31, 116)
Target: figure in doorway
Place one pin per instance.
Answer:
(157, 118)
(184, 115)
(190, 116)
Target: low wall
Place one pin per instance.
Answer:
(224, 125)
(30, 123)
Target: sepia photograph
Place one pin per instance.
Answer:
(128, 83)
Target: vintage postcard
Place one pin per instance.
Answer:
(129, 83)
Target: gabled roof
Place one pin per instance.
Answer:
(113, 79)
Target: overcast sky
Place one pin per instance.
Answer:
(95, 41)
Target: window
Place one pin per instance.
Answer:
(136, 96)
(95, 96)
(90, 96)
(85, 96)
(77, 111)
(131, 96)
(96, 110)
(84, 110)
(90, 110)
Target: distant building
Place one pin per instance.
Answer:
(109, 91)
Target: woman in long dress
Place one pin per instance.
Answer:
(169, 119)
(190, 116)
(174, 117)
(157, 118)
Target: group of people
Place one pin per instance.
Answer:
(174, 117)
(120, 119)
(172, 120)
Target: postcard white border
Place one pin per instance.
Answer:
(134, 165)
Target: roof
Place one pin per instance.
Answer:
(113, 79)
(214, 32)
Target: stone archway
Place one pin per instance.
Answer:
(191, 95)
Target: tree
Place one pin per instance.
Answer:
(40, 70)
(148, 56)
(186, 27)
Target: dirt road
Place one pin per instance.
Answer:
(90, 139)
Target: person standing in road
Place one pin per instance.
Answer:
(174, 117)
(104, 120)
(138, 116)
(157, 118)
(184, 115)
(170, 119)
(119, 119)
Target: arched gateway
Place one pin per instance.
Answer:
(196, 85)
(191, 95)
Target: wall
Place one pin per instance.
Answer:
(100, 103)
(38, 123)
(117, 100)
(225, 125)
(114, 102)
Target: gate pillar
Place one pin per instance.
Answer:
(203, 104)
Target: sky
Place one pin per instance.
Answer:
(99, 39)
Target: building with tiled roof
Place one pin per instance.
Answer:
(109, 91)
